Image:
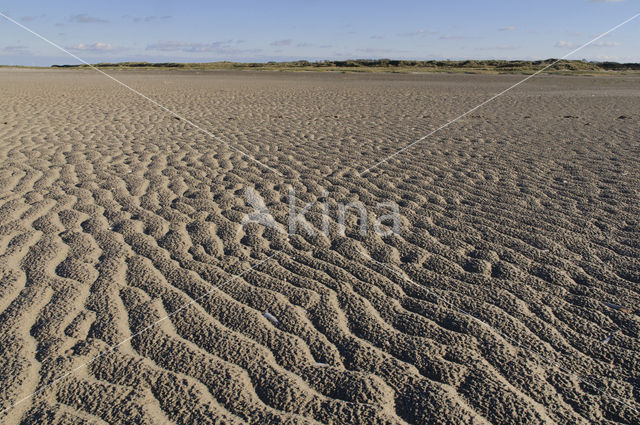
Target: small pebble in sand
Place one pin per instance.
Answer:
(608, 338)
(69, 352)
(618, 307)
(270, 318)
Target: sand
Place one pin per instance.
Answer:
(509, 295)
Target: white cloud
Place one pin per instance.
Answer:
(31, 18)
(83, 18)
(501, 47)
(606, 44)
(219, 47)
(150, 18)
(280, 43)
(376, 51)
(606, 58)
(417, 33)
(453, 37)
(19, 50)
(571, 44)
(565, 44)
(94, 47)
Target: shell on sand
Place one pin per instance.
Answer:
(618, 307)
(271, 318)
(609, 337)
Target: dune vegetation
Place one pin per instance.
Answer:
(388, 65)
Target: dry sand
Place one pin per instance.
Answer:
(114, 214)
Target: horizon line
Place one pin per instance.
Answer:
(355, 62)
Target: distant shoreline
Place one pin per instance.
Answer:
(382, 65)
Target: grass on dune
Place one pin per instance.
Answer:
(387, 65)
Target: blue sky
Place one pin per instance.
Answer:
(201, 31)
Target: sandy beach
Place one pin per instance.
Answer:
(134, 291)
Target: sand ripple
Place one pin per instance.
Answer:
(114, 215)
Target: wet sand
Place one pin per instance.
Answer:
(508, 296)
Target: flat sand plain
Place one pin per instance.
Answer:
(508, 296)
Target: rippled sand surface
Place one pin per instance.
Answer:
(508, 296)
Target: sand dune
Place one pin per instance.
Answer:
(510, 294)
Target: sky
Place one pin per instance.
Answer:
(259, 31)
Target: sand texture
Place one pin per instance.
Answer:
(509, 295)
